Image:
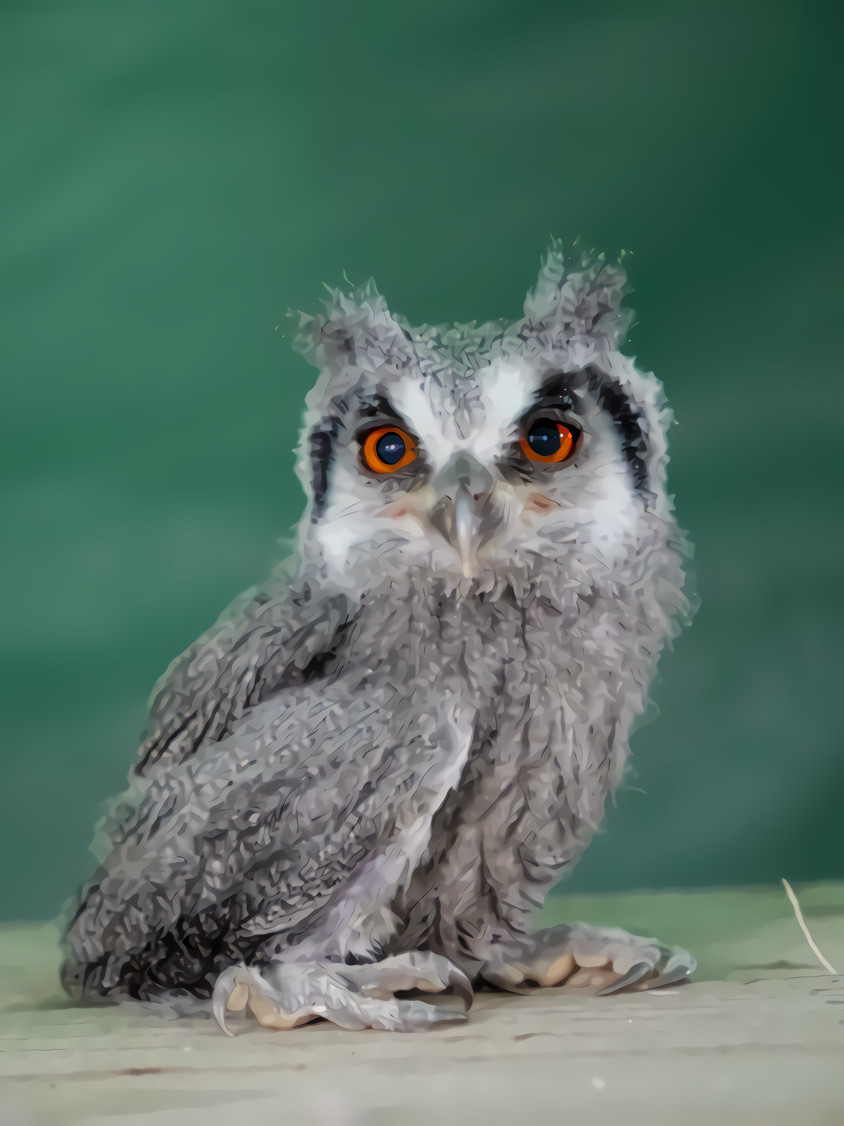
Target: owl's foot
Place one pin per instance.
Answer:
(577, 956)
(287, 994)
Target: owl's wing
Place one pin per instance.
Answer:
(271, 636)
(223, 849)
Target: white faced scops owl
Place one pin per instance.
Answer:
(366, 777)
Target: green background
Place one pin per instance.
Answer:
(175, 175)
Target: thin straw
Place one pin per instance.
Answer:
(788, 891)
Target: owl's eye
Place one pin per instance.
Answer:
(388, 448)
(549, 441)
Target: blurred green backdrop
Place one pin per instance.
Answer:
(176, 175)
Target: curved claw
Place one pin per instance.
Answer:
(423, 970)
(676, 969)
(634, 975)
(218, 1007)
(671, 978)
(462, 986)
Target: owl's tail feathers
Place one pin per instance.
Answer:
(85, 985)
(128, 947)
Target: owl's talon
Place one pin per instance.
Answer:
(219, 1004)
(462, 987)
(287, 995)
(580, 956)
(415, 969)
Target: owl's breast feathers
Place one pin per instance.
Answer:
(513, 650)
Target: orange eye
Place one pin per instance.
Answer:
(388, 448)
(549, 441)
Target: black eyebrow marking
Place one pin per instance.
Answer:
(321, 448)
(615, 401)
(323, 438)
(559, 390)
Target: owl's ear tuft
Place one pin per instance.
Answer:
(357, 329)
(308, 334)
(577, 297)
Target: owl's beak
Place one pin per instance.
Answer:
(462, 515)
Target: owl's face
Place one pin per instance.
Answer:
(480, 462)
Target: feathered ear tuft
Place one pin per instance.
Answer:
(357, 329)
(577, 299)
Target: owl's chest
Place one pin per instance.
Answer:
(428, 644)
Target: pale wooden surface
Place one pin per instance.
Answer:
(758, 1037)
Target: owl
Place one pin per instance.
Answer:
(362, 782)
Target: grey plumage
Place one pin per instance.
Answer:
(371, 771)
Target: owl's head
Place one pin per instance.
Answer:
(482, 452)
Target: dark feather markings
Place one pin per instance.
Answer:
(322, 440)
(321, 448)
(628, 423)
(558, 391)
